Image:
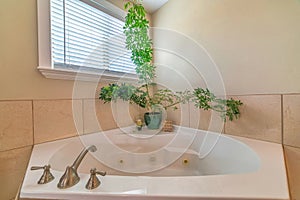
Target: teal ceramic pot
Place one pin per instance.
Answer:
(153, 120)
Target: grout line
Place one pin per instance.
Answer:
(35, 99)
(282, 124)
(189, 110)
(57, 139)
(16, 148)
(88, 98)
(288, 145)
(82, 113)
(9, 100)
(287, 174)
(48, 99)
(33, 130)
(267, 94)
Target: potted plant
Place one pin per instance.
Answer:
(139, 43)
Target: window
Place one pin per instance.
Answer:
(86, 40)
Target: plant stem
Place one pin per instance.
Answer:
(178, 102)
(150, 99)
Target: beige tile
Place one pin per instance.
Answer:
(110, 116)
(37, 199)
(291, 120)
(98, 116)
(179, 116)
(124, 113)
(292, 156)
(194, 116)
(12, 170)
(260, 118)
(205, 119)
(57, 119)
(15, 124)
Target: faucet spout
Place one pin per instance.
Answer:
(80, 157)
(70, 177)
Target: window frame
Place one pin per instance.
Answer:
(45, 65)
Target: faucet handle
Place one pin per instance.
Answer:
(93, 181)
(46, 176)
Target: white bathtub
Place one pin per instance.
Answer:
(188, 164)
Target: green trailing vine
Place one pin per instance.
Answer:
(139, 43)
(206, 100)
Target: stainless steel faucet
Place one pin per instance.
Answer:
(70, 177)
(93, 181)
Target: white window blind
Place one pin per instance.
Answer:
(88, 38)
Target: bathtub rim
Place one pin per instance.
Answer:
(192, 150)
(262, 190)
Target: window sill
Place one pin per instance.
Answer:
(65, 74)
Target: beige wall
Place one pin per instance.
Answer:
(120, 4)
(19, 77)
(255, 43)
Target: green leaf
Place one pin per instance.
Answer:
(139, 43)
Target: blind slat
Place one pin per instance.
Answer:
(82, 35)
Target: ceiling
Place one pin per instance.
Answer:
(153, 5)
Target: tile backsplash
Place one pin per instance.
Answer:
(291, 120)
(292, 156)
(273, 118)
(260, 118)
(16, 128)
(12, 170)
(54, 119)
(101, 117)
